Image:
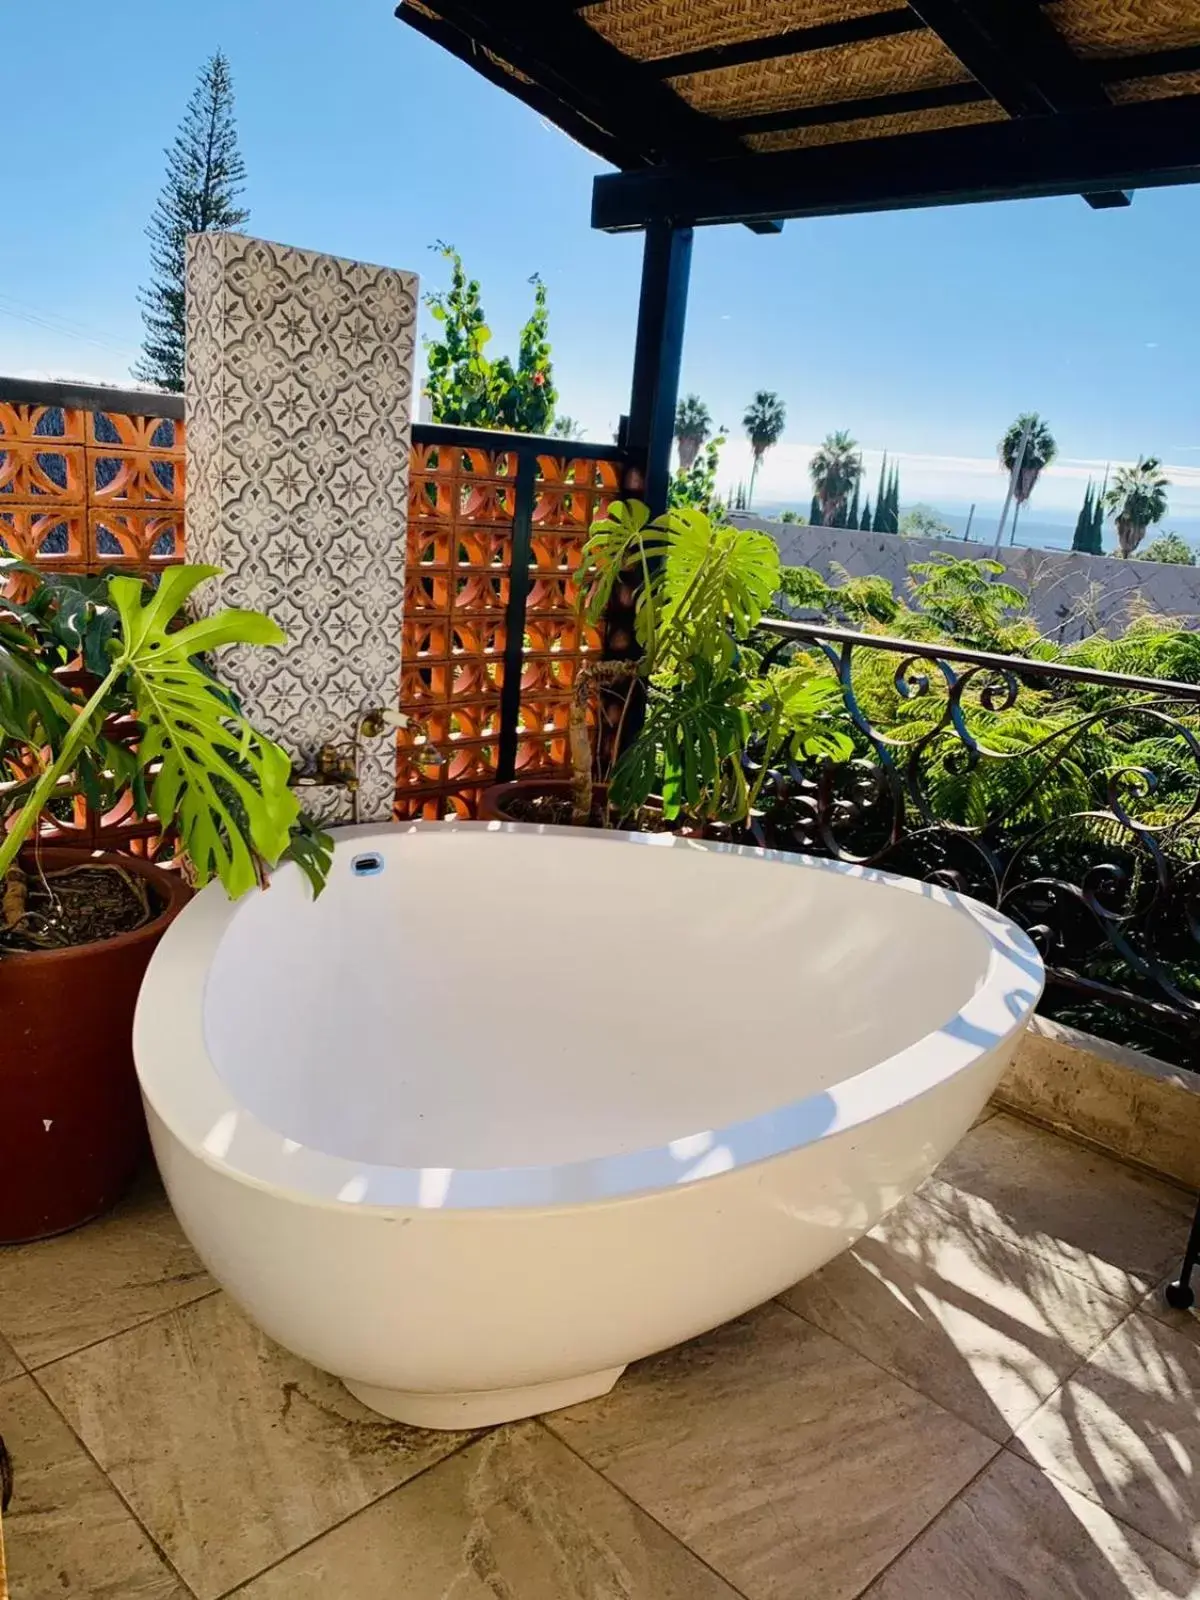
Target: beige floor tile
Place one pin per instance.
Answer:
(10, 1362)
(230, 1450)
(1016, 1534)
(514, 1515)
(1125, 1430)
(1155, 1305)
(61, 1294)
(984, 1328)
(786, 1461)
(66, 1533)
(1082, 1212)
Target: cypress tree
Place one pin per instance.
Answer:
(814, 513)
(1098, 519)
(1084, 524)
(205, 175)
(853, 514)
(881, 498)
(892, 515)
(865, 524)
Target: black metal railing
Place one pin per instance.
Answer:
(1067, 797)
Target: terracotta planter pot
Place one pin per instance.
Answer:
(72, 1132)
(496, 799)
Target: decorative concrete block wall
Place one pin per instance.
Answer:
(298, 405)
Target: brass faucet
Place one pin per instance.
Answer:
(336, 766)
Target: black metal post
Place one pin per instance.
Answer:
(1180, 1294)
(662, 312)
(514, 615)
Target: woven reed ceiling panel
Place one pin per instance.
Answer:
(833, 73)
(820, 77)
(1126, 27)
(876, 127)
(649, 30)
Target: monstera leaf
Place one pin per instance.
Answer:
(623, 540)
(692, 737)
(212, 776)
(221, 783)
(33, 706)
(715, 577)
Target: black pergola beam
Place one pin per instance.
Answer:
(466, 49)
(1020, 58)
(572, 65)
(1118, 148)
(1115, 69)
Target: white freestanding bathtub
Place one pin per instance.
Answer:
(508, 1107)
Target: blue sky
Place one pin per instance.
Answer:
(922, 332)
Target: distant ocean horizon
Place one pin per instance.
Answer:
(1036, 533)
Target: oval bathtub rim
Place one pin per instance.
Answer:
(198, 1110)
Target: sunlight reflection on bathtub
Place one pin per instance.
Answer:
(220, 1136)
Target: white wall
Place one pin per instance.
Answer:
(1071, 595)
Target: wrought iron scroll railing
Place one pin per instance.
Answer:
(1066, 797)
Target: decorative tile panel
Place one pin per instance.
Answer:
(299, 394)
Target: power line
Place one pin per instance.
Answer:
(55, 324)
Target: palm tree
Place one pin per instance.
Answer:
(693, 426)
(565, 427)
(835, 471)
(1040, 450)
(763, 422)
(1137, 498)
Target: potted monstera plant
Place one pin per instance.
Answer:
(105, 693)
(712, 721)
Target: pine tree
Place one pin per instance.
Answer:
(1084, 523)
(205, 175)
(881, 498)
(866, 523)
(814, 513)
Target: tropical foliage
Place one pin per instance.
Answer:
(764, 423)
(693, 427)
(835, 470)
(1170, 548)
(187, 753)
(1137, 499)
(923, 522)
(465, 384)
(704, 588)
(696, 485)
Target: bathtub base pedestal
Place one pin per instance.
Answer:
(479, 1408)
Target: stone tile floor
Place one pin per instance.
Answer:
(982, 1399)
